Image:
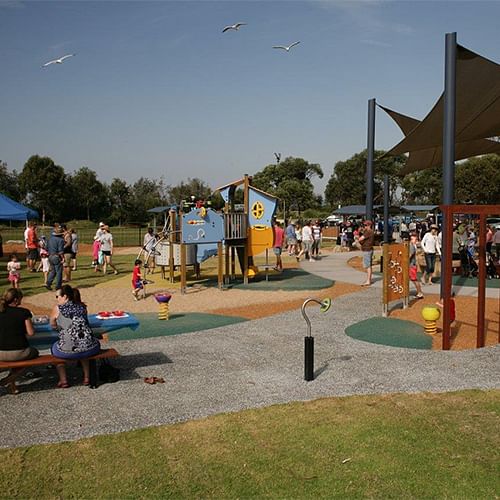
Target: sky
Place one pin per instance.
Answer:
(157, 90)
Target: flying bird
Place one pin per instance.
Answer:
(284, 47)
(58, 61)
(235, 27)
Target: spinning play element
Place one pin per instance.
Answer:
(163, 299)
(325, 305)
(430, 314)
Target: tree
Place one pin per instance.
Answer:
(477, 180)
(88, 193)
(290, 180)
(146, 194)
(44, 186)
(9, 182)
(185, 190)
(120, 199)
(347, 184)
(424, 187)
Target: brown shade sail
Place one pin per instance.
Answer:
(432, 157)
(477, 107)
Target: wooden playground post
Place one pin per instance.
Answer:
(220, 258)
(171, 239)
(233, 263)
(246, 185)
(481, 298)
(183, 268)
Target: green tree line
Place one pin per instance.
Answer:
(58, 195)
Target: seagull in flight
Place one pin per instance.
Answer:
(58, 61)
(235, 27)
(284, 47)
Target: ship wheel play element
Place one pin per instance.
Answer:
(258, 210)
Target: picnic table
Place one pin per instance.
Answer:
(44, 334)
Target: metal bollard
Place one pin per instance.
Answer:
(324, 304)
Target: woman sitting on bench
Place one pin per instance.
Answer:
(15, 324)
(76, 340)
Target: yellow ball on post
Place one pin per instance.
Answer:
(430, 314)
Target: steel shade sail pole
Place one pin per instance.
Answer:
(370, 149)
(448, 177)
(387, 236)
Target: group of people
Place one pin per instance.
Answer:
(76, 340)
(298, 240)
(56, 256)
(41, 252)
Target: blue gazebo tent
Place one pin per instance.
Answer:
(12, 210)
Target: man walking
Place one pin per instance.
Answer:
(55, 248)
(31, 246)
(291, 239)
(366, 241)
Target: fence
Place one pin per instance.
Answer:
(122, 236)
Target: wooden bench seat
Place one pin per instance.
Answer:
(19, 367)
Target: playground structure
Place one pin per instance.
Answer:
(190, 238)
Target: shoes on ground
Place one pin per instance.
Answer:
(419, 296)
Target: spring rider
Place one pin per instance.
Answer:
(430, 314)
(163, 299)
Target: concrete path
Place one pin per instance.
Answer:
(247, 365)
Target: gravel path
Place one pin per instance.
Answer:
(247, 365)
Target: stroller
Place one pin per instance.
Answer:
(491, 270)
(471, 263)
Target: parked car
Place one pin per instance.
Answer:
(493, 222)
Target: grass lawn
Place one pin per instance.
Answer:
(32, 283)
(392, 446)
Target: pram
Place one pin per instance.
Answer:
(472, 264)
(491, 270)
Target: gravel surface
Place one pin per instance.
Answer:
(247, 365)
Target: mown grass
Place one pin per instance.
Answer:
(396, 446)
(84, 277)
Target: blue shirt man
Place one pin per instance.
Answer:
(55, 247)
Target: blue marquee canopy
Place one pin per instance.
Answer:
(12, 210)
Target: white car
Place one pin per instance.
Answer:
(493, 222)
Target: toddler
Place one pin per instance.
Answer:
(137, 279)
(13, 268)
(44, 257)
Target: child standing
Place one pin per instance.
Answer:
(13, 268)
(44, 257)
(137, 279)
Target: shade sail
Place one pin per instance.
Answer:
(477, 106)
(12, 210)
(428, 158)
